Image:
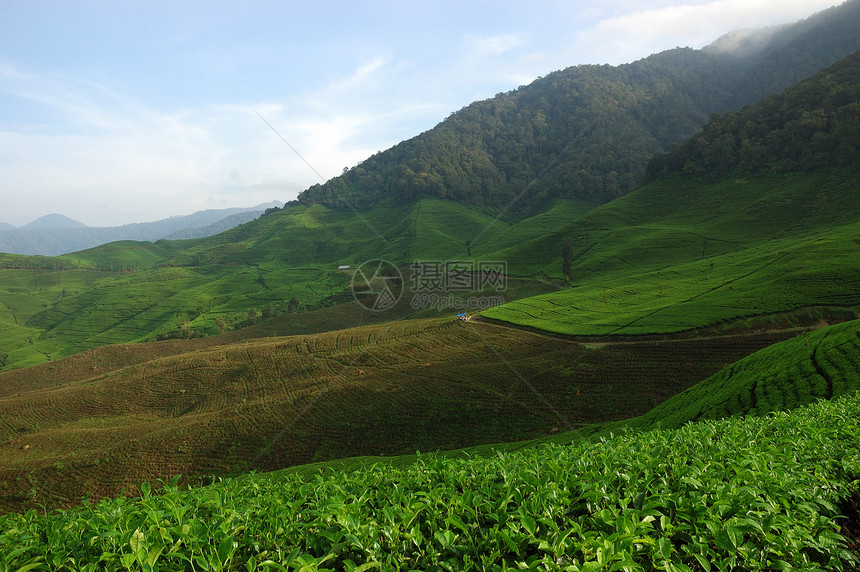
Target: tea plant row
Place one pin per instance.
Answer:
(761, 493)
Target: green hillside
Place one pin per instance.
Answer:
(821, 364)
(811, 125)
(761, 492)
(755, 215)
(670, 396)
(678, 255)
(282, 264)
(682, 253)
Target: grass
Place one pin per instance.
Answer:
(669, 257)
(133, 291)
(821, 364)
(113, 416)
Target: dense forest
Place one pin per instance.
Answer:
(587, 131)
(811, 125)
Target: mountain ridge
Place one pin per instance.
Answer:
(53, 221)
(586, 131)
(40, 237)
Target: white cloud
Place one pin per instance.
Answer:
(113, 144)
(635, 33)
(115, 160)
(111, 150)
(496, 44)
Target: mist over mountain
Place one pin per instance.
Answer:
(746, 42)
(54, 234)
(795, 52)
(588, 132)
(811, 125)
(218, 226)
(53, 221)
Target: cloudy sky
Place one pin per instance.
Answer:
(121, 111)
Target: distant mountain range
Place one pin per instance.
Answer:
(53, 221)
(56, 234)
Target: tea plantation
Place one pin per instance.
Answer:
(763, 492)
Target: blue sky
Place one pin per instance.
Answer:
(117, 112)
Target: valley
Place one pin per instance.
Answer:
(606, 321)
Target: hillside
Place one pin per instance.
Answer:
(822, 364)
(111, 417)
(812, 125)
(665, 237)
(757, 245)
(124, 292)
(768, 492)
(661, 389)
(588, 131)
(755, 215)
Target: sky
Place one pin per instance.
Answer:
(118, 112)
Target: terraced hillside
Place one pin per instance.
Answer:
(284, 263)
(681, 254)
(820, 364)
(776, 491)
(756, 214)
(109, 418)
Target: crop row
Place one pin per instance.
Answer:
(756, 493)
(283, 401)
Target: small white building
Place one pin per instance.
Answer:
(343, 267)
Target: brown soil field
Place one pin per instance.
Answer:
(101, 422)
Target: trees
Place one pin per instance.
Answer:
(566, 258)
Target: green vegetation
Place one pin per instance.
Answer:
(812, 125)
(760, 493)
(676, 255)
(746, 236)
(821, 364)
(284, 264)
(685, 252)
(586, 131)
(121, 414)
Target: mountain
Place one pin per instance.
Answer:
(6, 226)
(812, 125)
(701, 252)
(755, 215)
(220, 225)
(796, 52)
(588, 131)
(53, 235)
(53, 221)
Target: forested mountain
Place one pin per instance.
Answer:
(587, 131)
(813, 124)
(793, 53)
